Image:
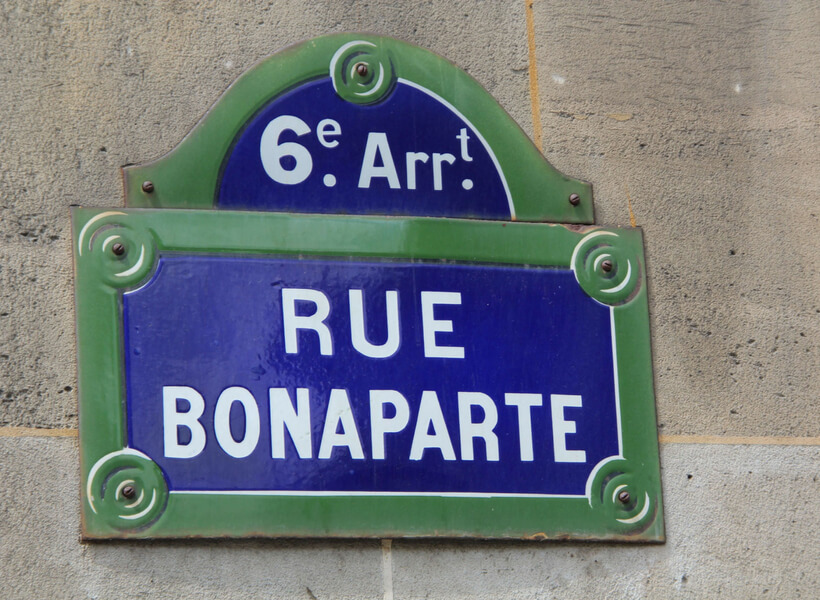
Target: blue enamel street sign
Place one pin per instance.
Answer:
(413, 153)
(365, 323)
(369, 377)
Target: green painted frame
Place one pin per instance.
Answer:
(187, 176)
(117, 249)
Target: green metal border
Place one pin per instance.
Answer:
(187, 176)
(103, 273)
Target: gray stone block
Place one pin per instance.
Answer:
(740, 521)
(706, 116)
(41, 555)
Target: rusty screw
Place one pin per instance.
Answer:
(606, 266)
(129, 492)
(574, 199)
(623, 496)
(118, 249)
(361, 69)
(147, 186)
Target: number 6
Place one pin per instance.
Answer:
(271, 151)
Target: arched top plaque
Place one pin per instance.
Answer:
(360, 124)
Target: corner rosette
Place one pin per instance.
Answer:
(606, 268)
(628, 500)
(122, 255)
(362, 72)
(127, 489)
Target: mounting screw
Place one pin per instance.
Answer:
(606, 266)
(129, 492)
(361, 69)
(574, 199)
(623, 496)
(147, 186)
(118, 249)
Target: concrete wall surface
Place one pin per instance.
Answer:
(697, 120)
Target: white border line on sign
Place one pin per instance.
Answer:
(456, 112)
(355, 493)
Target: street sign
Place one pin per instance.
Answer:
(250, 368)
(350, 124)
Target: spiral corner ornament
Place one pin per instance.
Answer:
(625, 497)
(127, 489)
(123, 255)
(362, 72)
(606, 268)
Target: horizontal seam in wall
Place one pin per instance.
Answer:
(740, 440)
(36, 432)
(664, 439)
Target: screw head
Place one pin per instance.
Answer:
(361, 69)
(147, 186)
(129, 492)
(118, 249)
(574, 199)
(607, 266)
(623, 497)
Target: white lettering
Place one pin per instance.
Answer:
(469, 430)
(463, 137)
(329, 128)
(222, 422)
(271, 151)
(340, 428)
(431, 326)
(377, 145)
(524, 404)
(412, 158)
(379, 424)
(561, 427)
(430, 415)
(340, 413)
(437, 160)
(282, 415)
(315, 322)
(357, 326)
(172, 420)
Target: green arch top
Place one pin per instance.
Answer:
(188, 176)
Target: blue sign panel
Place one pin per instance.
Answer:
(412, 153)
(277, 375)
